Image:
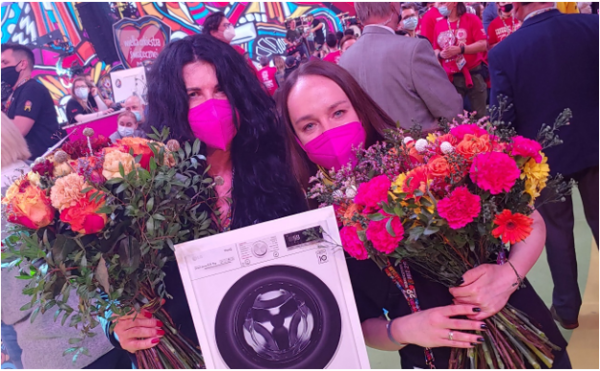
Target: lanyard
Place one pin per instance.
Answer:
(453, 32)
(512, 27)
(533, 14)
(12, 95)
(407, 286)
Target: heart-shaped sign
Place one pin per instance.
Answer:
(139, 40)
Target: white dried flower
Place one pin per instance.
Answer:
(421, 145)
(408, 140)
(351, 192)
(446, 148)
(338, 194)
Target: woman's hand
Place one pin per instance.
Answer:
(106, 112)
(450, 52)
(488, 286)
(432, 327)
(143, 332)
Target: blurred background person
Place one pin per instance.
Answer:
(137, 107)
(266, 75)
(489, 14)
(409, 21)
(128, 126)
(334, 52)
(346, 42)
(280, 65)
(339, 35)
(294, 41)
(459, 43)
(316, 29)
(429, 20)
(567, 7)
(29, 105)
(291, 64)
(504, 25)
(80, 108)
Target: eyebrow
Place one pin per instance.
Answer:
(306, 117)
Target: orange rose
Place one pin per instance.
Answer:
(414, 155)
(140, 147)
(472, 145)
(83, 217)
(28, 205)
(438, 167)
(352, 210)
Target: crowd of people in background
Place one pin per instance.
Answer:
(405, 63)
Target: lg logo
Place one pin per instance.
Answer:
(322, 257)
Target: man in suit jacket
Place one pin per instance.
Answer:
(401, 74)
(549, 64)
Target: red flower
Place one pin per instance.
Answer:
(28, 205)
(526, 147)
(83, 217)
(381, 239)
(373, 192)
(494, 171)
(438, 167)
(415, 179)
(459, 208)
(44, 168)
(352, 244)
(512, 227)
(460, 131)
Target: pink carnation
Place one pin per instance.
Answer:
(526, 147)
(495, 172)
(352, 244)
(381, 239)
(460, 131)
(373, 192)
(459, 208)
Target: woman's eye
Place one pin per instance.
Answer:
(192, 94)
(338, 113)
(308, 126)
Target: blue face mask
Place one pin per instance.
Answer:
(138, 116)
(411, 23)
(444, 10)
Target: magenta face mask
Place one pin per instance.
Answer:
(212, 123)
(334, 147)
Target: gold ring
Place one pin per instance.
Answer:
(450, 335)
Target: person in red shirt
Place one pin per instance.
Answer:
(459, 42)
(334, 52)
(219, 27)
(266, 75)
(503, 25)
(428, 22)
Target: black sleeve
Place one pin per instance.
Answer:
(92, 102)
(73, 109)
(30, 101)
(371, 288)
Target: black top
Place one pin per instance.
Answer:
(517, 71)
(319, 35)
(74, 108)
(33, 100)
(292, 35)
(373, 291)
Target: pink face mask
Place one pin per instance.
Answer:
(212, 123)
(334, 148)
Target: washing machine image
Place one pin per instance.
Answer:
(274, 295)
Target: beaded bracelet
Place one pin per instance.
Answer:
(388, 326)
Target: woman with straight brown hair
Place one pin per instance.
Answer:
(326, 114)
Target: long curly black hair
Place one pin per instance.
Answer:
(264, 187)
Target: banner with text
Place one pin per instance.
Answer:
(139, 41)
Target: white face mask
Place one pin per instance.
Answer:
(82, 93)
(229, 33)
(125, 131)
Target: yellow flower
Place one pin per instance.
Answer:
(535, 176)
(431, 138)
(67, 191)
(34, 178)
(398, 185)
(111, 164)
(61, 169)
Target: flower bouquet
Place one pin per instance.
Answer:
(445, 204)
(101, 220)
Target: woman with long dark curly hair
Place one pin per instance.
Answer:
(199, 87)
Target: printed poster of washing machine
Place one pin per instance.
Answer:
(274, 295)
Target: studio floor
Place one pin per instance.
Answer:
(583, 342)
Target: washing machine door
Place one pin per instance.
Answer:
(278, 317)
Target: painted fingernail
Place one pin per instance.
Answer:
(160, 332)
(155, 340)
(459, 282)
(484, 326)
(474, 344)
(147, 314)
(476, 310)
(480, 339)
(159, 323)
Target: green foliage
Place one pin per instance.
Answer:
(149, 211)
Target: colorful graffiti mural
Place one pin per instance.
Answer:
(259, 30)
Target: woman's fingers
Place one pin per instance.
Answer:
(459, 339)
(459, 310)
(463, 324)
(144, 332)
(127, 324)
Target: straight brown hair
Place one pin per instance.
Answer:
(372, 117)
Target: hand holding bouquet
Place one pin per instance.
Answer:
(451, 202)
(101, 220)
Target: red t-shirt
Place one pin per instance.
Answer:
(333, 57)
(468, 29)
(497, 31)
(267, 76)
(428, 22)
